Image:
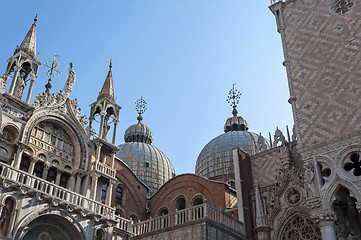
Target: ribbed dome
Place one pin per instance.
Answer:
(138, 133)
(149, 163)
(215, 159)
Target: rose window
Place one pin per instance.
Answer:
(301, 228)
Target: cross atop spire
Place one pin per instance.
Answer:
(29, 43)
(108, 89)
(233, 98)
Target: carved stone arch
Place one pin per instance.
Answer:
(59, 214)
(343, 159)
(13, 196)
(13, 129)
(70, 127)
(163, 210)
(9, 210)
(346, 151)
(329, 194)
(302, 217)
(323, 162)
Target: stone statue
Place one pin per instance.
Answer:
(20, 85)
(71, 79)
(309, 178)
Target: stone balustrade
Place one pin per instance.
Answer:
(192, 214)
(103, 168)
(59, 196)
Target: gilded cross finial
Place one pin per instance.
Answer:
(52, 71)
(140, 107)
(233, 98)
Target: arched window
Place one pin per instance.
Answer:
(119, 212)
(180, 203)
(133, 217)
(348, 218)
(25, 163)
(38, 169)
(118, 196)
(163, 211)
(64, 180)
(6, 215)
(51, 175)
(197, 201)
(232, 184)
(99, 234)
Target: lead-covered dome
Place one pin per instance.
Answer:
(216, 159)
(149, 163)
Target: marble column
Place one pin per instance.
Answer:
(31, 166)
(108, 199)
(13, 83)
(58, 176)
(325, 220)
(32, 80)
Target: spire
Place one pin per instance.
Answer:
(140, 107)
(107, 89)
(29, 43)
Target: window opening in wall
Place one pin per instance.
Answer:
(99, 235)
(163, 211)
(197, 201)
(25, 163)
(6, 215)
(133, 217)
(180, 203)
(355, 164)
(348, 219)
(104, 192)
(118, 196)
(51, 175)
(64, 180)
(147, 164)
(232, 184)
(38, 169)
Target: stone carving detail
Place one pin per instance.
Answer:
(4, 82)
(293, 196)
(44, 99)
(309, 178)
(20, 85)
(300, 227)
(58, 102)
(261, 143)
(324, 215)
(279, 138)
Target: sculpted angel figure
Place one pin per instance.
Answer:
(309, 178)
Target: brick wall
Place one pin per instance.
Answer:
(324, 57)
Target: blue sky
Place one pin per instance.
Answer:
(183, 56)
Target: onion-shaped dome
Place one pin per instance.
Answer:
(215, 159)
(149, 163)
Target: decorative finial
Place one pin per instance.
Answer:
(36, 18)
(52, 68)
(110, 64)
(233, 99)
(140, 107)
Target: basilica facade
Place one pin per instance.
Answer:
(62, 176)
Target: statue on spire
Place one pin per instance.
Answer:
(140, 107)
(70, 80)
(233, 98)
